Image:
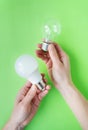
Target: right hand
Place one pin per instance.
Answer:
(57, 62)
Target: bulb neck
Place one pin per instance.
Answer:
(45, 45)
(36, 78)
(41, 85)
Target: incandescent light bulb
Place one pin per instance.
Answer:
(50, 30)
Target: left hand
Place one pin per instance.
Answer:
(26, 105)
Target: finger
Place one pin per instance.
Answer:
(60, 51)
(42, 52)
(49, 64)
(38, 90)
(39, 46)
(44, 93)
(48, 87)
(36, 100)
(63, 56)
(53, 54)
(28, 84)
(23, 91)
(30, 95)
(45, 80)
(43, 75)
(42, 55)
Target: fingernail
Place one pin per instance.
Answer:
(46, 92)
(33, 88)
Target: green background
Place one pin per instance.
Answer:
(20, 31)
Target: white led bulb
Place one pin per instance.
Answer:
(50, 30)
(27, 67)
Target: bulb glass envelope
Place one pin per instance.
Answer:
(27, 67)
(51, 29)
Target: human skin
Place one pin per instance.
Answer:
(58, 65)
(26, 106)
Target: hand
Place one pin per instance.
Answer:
(57, 62)
(26, 105)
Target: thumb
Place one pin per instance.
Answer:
(53, 54)
(30, 95)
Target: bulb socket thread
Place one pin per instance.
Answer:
(41, 85)
(45, 46)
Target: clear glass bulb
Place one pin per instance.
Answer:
(27, 67)
(50, 30)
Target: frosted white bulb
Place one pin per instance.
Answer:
(27, 67)
(50, 30)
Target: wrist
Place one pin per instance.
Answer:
(11, 125)
(64, 85)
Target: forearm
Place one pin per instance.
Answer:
(77, 103)
(12, 126)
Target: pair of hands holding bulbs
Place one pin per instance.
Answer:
(29, 97)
